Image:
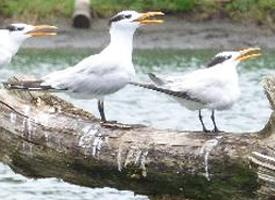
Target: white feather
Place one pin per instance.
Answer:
(213, 88)
(10, 42)
(103, 73)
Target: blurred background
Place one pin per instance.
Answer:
(193, 32)
(257, 11)
(190, 24)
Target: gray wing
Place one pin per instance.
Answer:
(91, 77)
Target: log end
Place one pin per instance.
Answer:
(81, 21)
(82, 16)
(269, 87)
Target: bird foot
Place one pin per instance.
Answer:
(205, 130)
(216, 130)
(115, 125)
(108, 122)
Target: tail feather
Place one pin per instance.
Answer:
(179, 94)
(34, 85)
(156, 79)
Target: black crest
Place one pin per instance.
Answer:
(216, 60)
(119, 17)
(12, 28)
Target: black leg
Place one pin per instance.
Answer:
(203, 126)
(100, 105)
(216, 130)
(109, 124)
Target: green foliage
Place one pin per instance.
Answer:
(241, 10)
(108, 7)
(36, 9)
(49, 8)
(252, 10)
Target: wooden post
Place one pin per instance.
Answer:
(81, 15)
(44, 136)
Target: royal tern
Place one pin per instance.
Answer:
(12, 37)
(102, 74)
(215, 87)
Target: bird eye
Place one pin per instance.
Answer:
(228, 57)
(12, 28)
(128, 16)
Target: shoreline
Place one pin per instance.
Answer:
(175, 33)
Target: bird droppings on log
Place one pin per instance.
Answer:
(87, 140)
(45, 136)
(206, 149)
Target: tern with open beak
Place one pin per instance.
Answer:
(215, 87)
(102, 74)
(12, 37)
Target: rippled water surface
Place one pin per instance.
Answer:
(136, 105)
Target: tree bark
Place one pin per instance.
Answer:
(45, 136)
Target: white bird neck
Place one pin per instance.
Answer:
(228, 71)
(121, 42)
(14, 47)
(227, 67)
(231, 67)
(9, 44)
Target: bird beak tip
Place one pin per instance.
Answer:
(146, 18)
(249, 53)
(43, 30)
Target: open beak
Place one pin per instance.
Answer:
(248, 53)
(146, 18)
(43, 30)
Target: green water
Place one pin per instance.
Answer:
(136, 105)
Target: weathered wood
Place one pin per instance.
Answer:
(44, 136)
(82, 15)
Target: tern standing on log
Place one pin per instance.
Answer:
(215, 87)
(12, 37)
(102, 74)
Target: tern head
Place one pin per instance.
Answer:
(132, 19)
(20, 32)
(234, 57)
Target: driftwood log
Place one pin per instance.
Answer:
(45, 136)
(82, 15)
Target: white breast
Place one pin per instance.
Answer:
(5, 57)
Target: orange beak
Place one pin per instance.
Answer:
(248, 53)
(145, 18)
(43, 30)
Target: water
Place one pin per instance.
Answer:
(16, 187)
(136, 105)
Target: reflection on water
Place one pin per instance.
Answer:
(136, 105)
